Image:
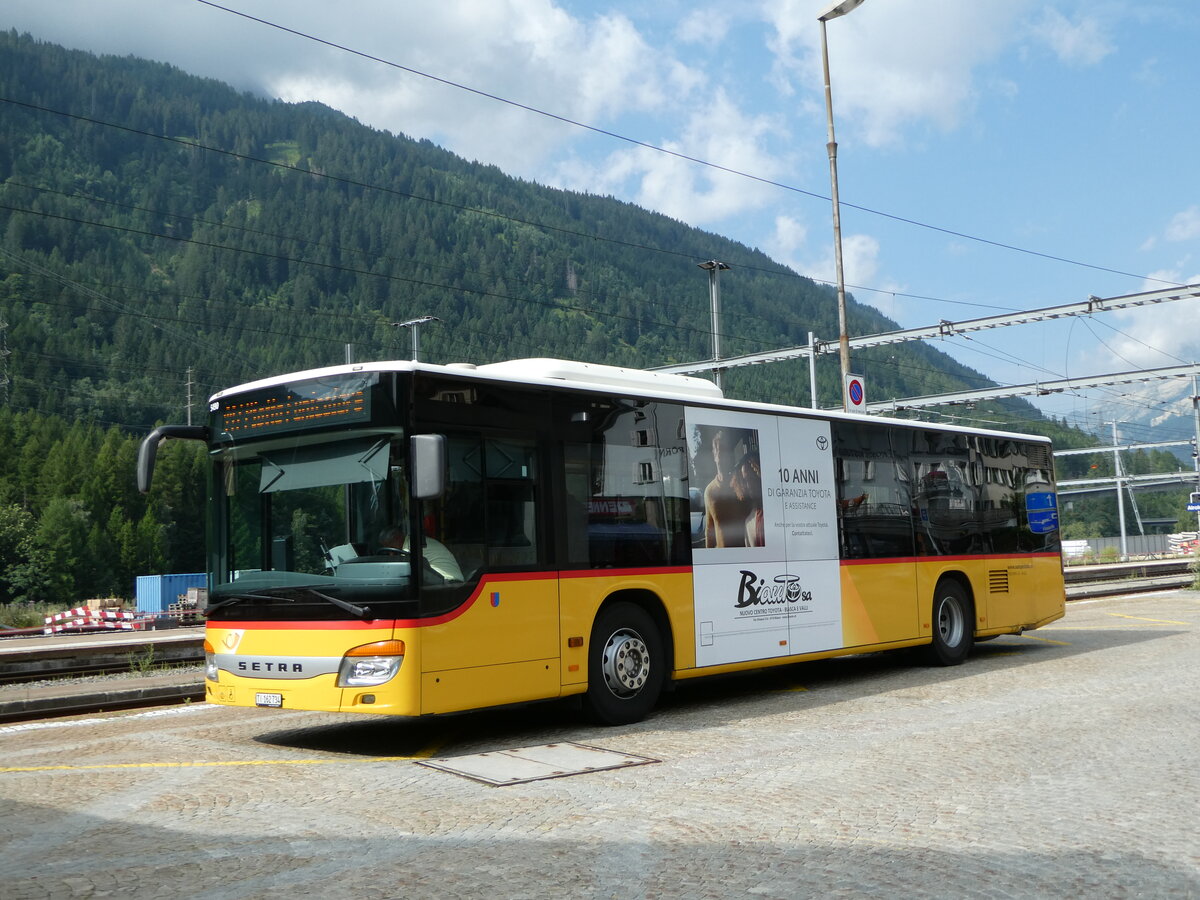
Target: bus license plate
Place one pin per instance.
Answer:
(275, 700)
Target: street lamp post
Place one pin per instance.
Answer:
(1196, 446)
(415, 326)
(838, 9)
(715, 269)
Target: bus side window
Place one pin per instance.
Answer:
(946, 494)
(511, 509)
(489, 515)
(626, 488)
(875, 514)
(578, 480)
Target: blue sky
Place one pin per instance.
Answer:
(1063, 127)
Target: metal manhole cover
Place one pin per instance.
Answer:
(501, 767)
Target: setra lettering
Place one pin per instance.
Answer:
(276, 667)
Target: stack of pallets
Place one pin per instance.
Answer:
(188, 607)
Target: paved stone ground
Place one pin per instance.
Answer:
(1065, 763)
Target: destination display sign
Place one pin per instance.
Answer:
(317, 403)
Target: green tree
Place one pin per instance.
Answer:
(20, 561)
(61, 543)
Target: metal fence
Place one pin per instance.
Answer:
(1136, 545)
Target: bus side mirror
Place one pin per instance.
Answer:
(148, 451)
(427, 453)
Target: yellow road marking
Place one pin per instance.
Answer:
(1046, 640)
(1152, 621)
(434, 748)
(1150, 624)
(206, 765)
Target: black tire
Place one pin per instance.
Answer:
(953, 624)
(626, 665)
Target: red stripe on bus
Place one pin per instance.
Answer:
(503, 577)
(1052, 554)
(536, 576)
(480, 591)
(375, 624)
(625, 573)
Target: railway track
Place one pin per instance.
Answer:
(61, 657)
(36, 659)
(1084, 582)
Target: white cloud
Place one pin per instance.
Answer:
(590, 68)
(706, 26)
(1078, 43)
(860, 258)
(896, 63)
(860, 263)
(716, 132)
(1152, 336)
(788, 238)
(789, 243)
(1184, 226)
(528, 51)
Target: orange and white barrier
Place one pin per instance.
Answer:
(83, 619)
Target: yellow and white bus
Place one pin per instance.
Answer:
(413, 539)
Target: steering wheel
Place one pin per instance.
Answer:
(392, 551)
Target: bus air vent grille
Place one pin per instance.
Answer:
(998, 581)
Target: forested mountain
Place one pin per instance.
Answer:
(132, 254)
(164, 236)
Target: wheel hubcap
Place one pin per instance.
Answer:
(625, 663)
(950, 622)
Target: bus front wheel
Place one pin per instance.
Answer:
(953, 624)
(625, 665)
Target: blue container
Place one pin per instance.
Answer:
(156, 593)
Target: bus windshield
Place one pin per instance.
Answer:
(303, 521)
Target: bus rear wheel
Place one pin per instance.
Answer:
(953, 624)
(625, 665)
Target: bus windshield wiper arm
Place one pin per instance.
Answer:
(238, 598)
(363, 612)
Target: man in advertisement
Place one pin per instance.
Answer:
(733, 515)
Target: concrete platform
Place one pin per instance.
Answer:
(21, 702)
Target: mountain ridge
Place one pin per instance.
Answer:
(301, 211)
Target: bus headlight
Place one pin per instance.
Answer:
(211, 669)
(371, 664)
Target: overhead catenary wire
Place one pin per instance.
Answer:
(778, 270)
(177, 238)
(668, 152)
(366, 273)
(448, 287)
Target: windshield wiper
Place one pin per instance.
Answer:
(238, 598)
(363, 612)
